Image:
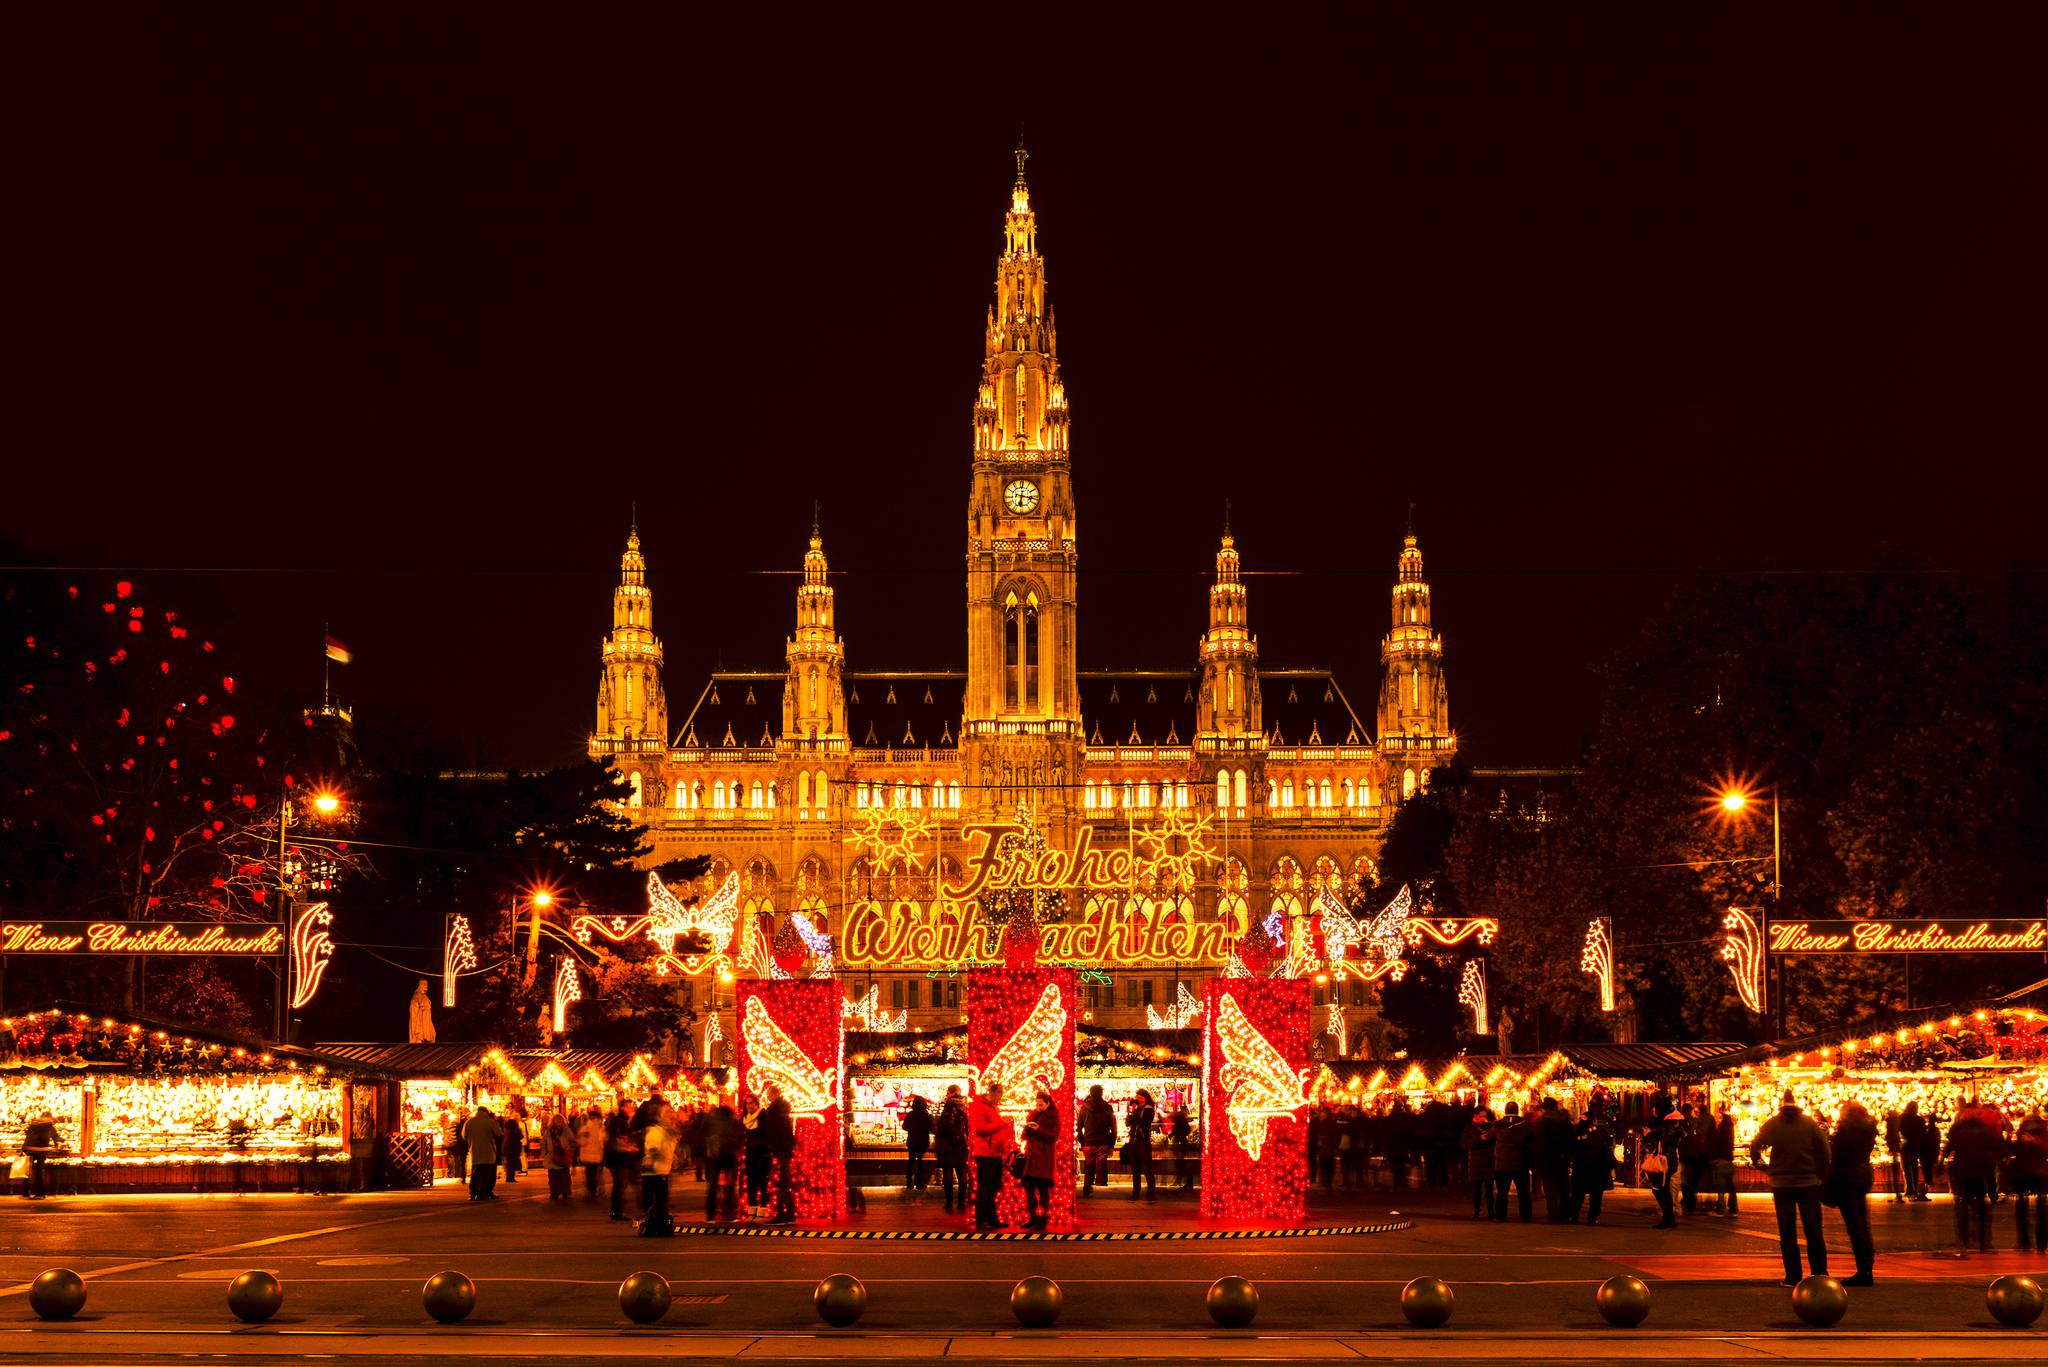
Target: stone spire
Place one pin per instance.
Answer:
(1229, 702)
(630, 704)
(813, 706)
(1415, 710)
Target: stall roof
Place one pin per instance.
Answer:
(304, 1055)
(1646, 1061)
(445, 1060)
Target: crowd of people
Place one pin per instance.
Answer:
(636, 1151)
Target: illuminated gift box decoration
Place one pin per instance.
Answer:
(1255, 1061)
(1020, 1032)
(792, 1038)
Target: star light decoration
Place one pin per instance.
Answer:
(1185, 1011)
(1177, 847)
(1472, 993)
(312, 950)
(1334, 1026)
(714, 1033)
(869, 1015)
(1597, 958)
(458, 955)
(568, 988)
(889, 836)
(1742, 945)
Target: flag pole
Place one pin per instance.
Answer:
(326, 670)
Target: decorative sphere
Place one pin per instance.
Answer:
(1037, 1302)
(841, 1299)
(1427, 1302)
(1623, 1301)
(57, 1294)
(2014, 1300)
(644, 1297)
(1233, 1302)
(449, 1296)
(254, 1297)
(1820, 1301)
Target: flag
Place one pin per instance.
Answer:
(336, 651)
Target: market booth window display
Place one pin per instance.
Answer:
(138, 1105)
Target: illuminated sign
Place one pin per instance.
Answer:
(1907, 937)
(312, 948)
(138, 937)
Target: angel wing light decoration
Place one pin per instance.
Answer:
(1259, 1084)
(774, 1059)
(1031, 1055)
(668, 919)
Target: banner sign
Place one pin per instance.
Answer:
(1908, 937)
(139, 937)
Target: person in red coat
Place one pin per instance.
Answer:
(991, 1139)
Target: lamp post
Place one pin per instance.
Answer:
(1735, 802)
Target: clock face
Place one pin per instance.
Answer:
(1021, 496)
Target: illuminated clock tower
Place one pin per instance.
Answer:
(1021, 733)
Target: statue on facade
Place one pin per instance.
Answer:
(419, 1016)
(1504, 1031)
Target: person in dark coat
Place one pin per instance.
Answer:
(1438, 1128)
(2030, 1182)
(1695, 1156)
(1398, 1131)
(1894, 1145)
(1554, 1142)
(778, 1129)
(1592, 1169)
(621, 1155)
(1477, 1142)
(950, 1147)
(484, 1135)
(1799, 1163)
(719, 1146)
(1180, 1133)
(1041, 1135)
(1927, 1145)
(1322, 1143)
(1975, 1145)
(917, 1140)
(1724, 1162)
(1139, 1122)
(1849, 1181)
(1511, 1163)
(40, 1140)
(1096, 1123)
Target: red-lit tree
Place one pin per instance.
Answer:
(131, 785)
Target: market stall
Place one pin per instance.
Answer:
(142, 1104)
(1993, 1054)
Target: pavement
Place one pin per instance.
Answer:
(547, 1276)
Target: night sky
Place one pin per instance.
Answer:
(384, 315)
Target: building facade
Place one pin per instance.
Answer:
(777, 773)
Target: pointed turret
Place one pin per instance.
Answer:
(1229, 701)
(1415, 710)
(813, 708)
(630, 704)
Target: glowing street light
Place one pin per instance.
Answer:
(543, 899)
(1734, 800)
(327, 804)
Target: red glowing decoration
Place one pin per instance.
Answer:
(1255, 1061)
(1020, 1032)
(791, 1037)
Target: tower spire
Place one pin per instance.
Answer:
(813, 707)
(631, 709)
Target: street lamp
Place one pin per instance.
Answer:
(326, 803)
(1734, 801)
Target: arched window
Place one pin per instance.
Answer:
(897, 800)
(1088, 795)
(803, 791)
(1287, 793)
(953, 794)
(860, 795)
(1240, 782)
(1127, 792)
(1272, 792)
(718, 796)
(754, 795)
(1408, 783)
(1326, 792)
(1180, 793)
(938, 793)
(633, 797)
(917, 795)
(1365, 792)
(1144, 795)
(1222, 789)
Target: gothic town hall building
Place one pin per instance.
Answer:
(770, 770)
